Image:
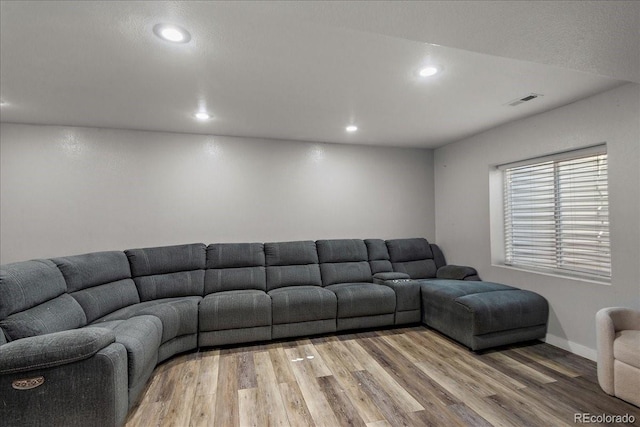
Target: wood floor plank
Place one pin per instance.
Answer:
(226, 409)
(340, 367)
(270, 399)
(402, 398)
(281, 365)
(340, 403)
(409, 376)
(317, 404)
(202, 414)
(297, 411)
(395, 415)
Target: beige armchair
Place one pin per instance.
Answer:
(618, 337)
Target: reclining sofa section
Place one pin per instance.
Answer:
(81, 335)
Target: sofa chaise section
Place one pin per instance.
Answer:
(477, 314)
(299, 304)
(236, 307)
(345, 271)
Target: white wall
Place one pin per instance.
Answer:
(463, 209)
(69, 190)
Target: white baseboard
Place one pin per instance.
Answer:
(573, 347)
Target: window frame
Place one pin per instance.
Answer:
(544, 263)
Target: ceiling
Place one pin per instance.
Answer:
(305, 70)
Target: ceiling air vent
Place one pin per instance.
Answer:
(523, 99)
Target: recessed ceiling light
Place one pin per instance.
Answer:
(428, 71)
(352, 128)
(171, 33)
(202, 116)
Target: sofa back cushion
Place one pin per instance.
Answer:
(413, 257)
(292, 264)
(100, 282)
(168, 271)
(378, 256)
(343, 261)
(235, 266)
(33, 300)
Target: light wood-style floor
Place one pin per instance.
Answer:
(395, 377)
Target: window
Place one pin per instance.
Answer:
(556, 213)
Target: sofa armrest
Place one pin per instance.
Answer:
(50, 350)
(457, 272)
(380, 278)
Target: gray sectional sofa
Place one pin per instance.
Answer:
(81, 335)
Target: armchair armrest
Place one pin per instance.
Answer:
(50, 350)
(457, 272)
(380, 278)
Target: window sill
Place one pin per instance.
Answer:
(566, 276)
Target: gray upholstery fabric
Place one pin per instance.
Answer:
(378, 256)
(408, 316)
(501, 310)
(177, 345)
(166, 259)
(27, 284)
(292, 264)
(465, 310)
(405, 250)
(377, 250)
(457, 272)
(457, 288)
(345, 272)
(235, 310)
(92, 391)
(407, 293)
(422, 269)
(376, 321)
(413, 257)
(47, 351)
(235, 255)
(343, 261)
(389, 276)
(302, 329)
(141, 337)
(290, 253)
(363, 299)
(179, 316)
(55, 315)
(235, 266)
(234, 336)
(93, 269)
(3, 339)
(302, 304)
(481, 342)
(101, 300)
(341, 250)
(233, 279)
(293, 275)
(380, 266)
(169, 285)
(438, 256)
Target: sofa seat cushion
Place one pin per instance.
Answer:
(363, 299)
(302, 304)
(235, 310)
(626, 347)
(141, 337)
(179, 316)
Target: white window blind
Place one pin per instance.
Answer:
(556, 213)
